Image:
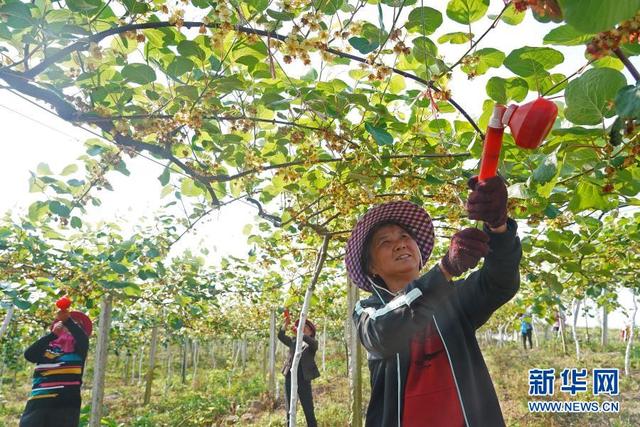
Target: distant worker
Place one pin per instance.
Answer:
(626, 333)
(307, 368)
(59, 357)
(526, 330)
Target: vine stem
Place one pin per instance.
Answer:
(581, 69)
(630, 67)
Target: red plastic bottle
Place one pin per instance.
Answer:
(491, 153)
(492, 144)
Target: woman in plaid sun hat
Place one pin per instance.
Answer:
(419, 329)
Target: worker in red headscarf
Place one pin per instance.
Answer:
(59, 357)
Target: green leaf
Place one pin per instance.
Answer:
(153, 252)
(552, 212)
(121, 167)
(189, 188)
(38, 210)
(504, 90)
(628, 102)
(22, 304)
(59, 209)
(455, 38)
(588, 97)
(43, 169)
(554, 283)
(147, 273)
(84, 6)
(467, 11)
(187, 91)
(134, 7)
(396, 84)
(246, 230)
(280, 16)
(189, 48)
(132, 290)
(116, 284)
(373, 33)
(440, 125)
(76, 222)
(229, 83)
(566, 35)
(275, 101)
(588, 196)
(17, 15)
(363, 45)
(164, 176)
(549, 84)
(533, 61)
(424, 50)
(379, 134)
(328, 7)
(138, 73)
(592, 16)
(484, 59)
(547, 169)
(423, 20)
(571, 267)
(608, 62)
(630, 49)
(511, 16)
(73, 168)
(179, 66)
(118, 268)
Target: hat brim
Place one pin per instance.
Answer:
(408, 214)
(308, 323)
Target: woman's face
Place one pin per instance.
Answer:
(393, 253)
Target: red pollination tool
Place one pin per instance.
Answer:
(63, 303)
(529, 123)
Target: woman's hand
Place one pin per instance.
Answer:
(62, 316)
(488, 202)
(466, 248)
(58, 328)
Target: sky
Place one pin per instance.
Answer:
(33, 136)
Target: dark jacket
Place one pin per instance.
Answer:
(458, 309)
(307, 360)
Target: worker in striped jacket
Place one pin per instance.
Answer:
(59, 357)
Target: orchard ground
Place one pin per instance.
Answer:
(235, 395)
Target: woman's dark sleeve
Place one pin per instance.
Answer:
(36, 350)
(387, 330)
(82, 341)
(484, 291)
(284, 338)
(312, 342)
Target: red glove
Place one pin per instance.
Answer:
(466, 248)
(488, 201)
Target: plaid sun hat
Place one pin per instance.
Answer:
(408, 214)
(308, 323)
